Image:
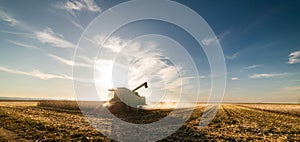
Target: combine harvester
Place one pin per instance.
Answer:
(124, 99)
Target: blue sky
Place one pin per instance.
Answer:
(260, 41)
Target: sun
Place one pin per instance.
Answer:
(103, 78)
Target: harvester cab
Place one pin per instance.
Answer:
(123, 98)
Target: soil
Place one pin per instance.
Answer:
(9, 136)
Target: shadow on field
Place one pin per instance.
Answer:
(186, 133)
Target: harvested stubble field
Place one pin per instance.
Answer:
(29, 122)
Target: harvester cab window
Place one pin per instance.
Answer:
(111, 94)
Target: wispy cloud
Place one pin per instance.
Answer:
(23, 45)
(61, 60)
(224, 34)
(146, 62)
(79, 5)
(209, 41)
(49, 37)
(36, 74)
(234, 78)
(113, 44)
(91, 5)
(213, 40)
(267, 75)
(252, 67)
(87, 63)
(233, 56)
(76, 24)
(192, 77)
(28, 35)
(8, 18)
(294, 57)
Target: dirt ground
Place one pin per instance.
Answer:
(6, 135)
(232, 123)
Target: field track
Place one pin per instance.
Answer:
(232, 123)
(6, 135)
